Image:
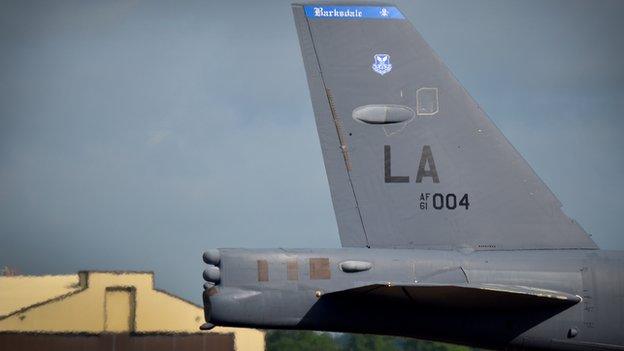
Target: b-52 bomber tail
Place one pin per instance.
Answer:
(447, 232)
(412, 160)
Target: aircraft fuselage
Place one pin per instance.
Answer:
(300, 289)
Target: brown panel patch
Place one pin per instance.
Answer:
(292, 268)
(319, 268)
(263, 271)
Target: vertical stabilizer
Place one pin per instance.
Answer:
(412, 160)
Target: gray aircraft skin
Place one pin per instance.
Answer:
(447, 232)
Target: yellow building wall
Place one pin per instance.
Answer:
(78, 312)
(82, 309)
(22, 291)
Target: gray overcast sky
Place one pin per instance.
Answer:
(133, 135)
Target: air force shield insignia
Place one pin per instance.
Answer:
(381, 63)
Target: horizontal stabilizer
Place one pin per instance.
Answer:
(465, 296)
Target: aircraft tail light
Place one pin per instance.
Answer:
(212, 256)
(212, 274)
